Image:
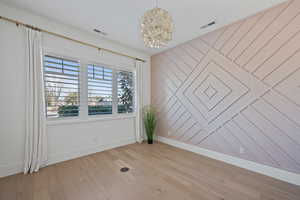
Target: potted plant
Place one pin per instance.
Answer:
(149, 118)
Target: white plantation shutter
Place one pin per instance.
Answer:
(125, 81)
(100, 90)
(97, 89)
(61, 87)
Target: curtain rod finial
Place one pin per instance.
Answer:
(138, 59)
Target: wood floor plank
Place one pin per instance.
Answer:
(157, 171)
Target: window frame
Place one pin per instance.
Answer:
(83, 92)
(79, 85)
(113, 75)
(134, 91)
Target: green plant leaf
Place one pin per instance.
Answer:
(149, 118)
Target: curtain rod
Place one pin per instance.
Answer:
(68, 38)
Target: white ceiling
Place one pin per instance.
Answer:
(121, 18)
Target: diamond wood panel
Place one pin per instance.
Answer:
(236, 90)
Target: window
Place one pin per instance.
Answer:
(99, 90)
(125, 92)
(61, 87)
(103, 91)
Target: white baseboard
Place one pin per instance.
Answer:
(283, 175)
(11, 169)
(86, 151)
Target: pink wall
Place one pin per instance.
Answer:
(236, 90)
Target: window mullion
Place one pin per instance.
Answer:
(83, 91)
(115, 92)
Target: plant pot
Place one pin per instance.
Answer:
(150, 141)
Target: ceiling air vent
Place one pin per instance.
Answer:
(209, 24)
(100, 32)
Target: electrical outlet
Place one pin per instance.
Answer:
(169, 132)
(95, 140)
(242, 150)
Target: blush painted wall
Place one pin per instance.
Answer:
(236, 90)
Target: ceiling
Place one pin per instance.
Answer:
(121, 18)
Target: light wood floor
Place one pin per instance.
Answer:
(156, 172)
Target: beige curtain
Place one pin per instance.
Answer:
(36, 140)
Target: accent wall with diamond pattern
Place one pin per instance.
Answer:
(236, 90)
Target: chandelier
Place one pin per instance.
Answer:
(156, 27)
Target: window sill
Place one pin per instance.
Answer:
(63, 121)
